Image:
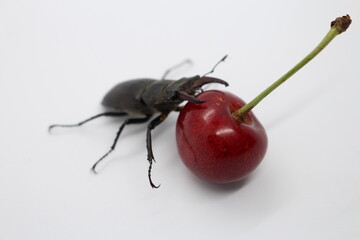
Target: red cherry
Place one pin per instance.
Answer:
(213, 144)
(221, 140)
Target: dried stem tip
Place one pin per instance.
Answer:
(341, 23)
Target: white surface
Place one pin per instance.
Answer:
(58, 59)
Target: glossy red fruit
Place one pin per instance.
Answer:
(213, 144)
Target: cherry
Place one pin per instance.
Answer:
(213, 145)
(221, 140)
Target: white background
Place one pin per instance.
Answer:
(58, 59)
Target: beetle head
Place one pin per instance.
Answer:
(186, 88)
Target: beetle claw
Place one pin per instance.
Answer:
(206, 80)
(151, 160)
(190, 98)
(93, 170)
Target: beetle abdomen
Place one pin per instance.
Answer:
(126, 97)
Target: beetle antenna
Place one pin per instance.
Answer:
(186, 61)
(212, 70)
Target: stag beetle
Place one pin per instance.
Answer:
(146, 97)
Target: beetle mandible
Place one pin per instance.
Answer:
(145, 98)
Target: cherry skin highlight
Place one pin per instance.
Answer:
(213, 144)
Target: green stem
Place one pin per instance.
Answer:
(338, 26)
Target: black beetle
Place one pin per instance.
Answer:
(146, 97)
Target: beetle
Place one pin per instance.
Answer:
(144, 98)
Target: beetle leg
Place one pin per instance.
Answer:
(107, 114)
(126, 122)
(187, 61)
(150, 156)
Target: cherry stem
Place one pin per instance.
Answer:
(338, 26)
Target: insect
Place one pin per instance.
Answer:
(143, 98)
